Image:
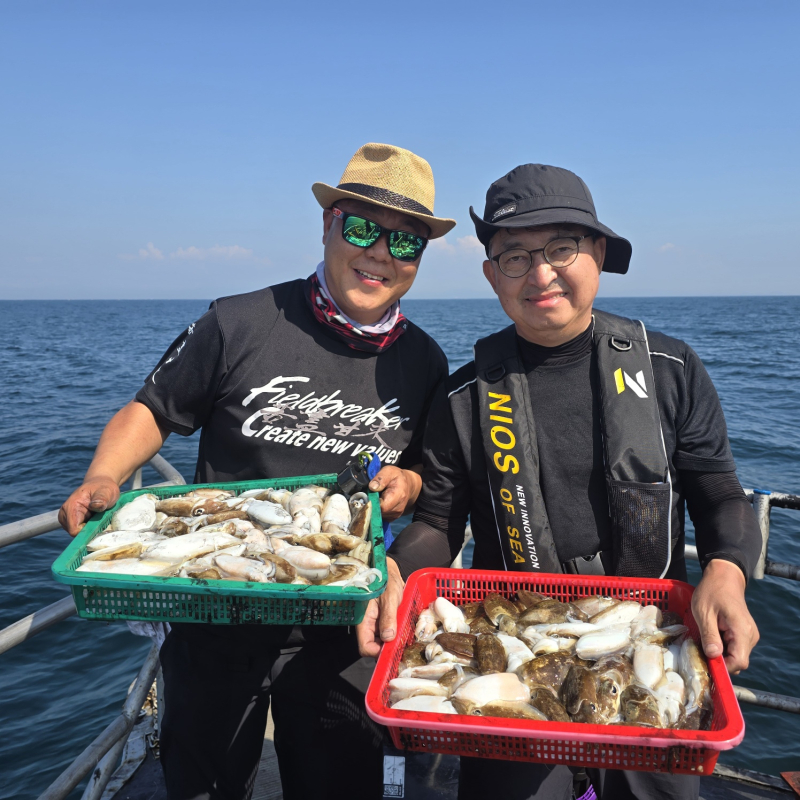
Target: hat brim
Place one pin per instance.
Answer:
(328, 195)
(618, 250)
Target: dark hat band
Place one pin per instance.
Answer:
(385, 196)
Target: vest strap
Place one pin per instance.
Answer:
(586, 565)
(512, 456)
(637, 470)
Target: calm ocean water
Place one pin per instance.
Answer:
(67, 366)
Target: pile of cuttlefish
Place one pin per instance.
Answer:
(595, 659)
(309, 536)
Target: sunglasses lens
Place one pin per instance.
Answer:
(363, 232)
(360, 232)
(406, 246)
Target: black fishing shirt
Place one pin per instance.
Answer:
(277, 394)
(566, 410)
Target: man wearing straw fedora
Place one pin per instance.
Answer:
(291, 380)
(575, 441)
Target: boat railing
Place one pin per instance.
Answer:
(102, 755)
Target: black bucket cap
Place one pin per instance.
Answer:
(536, 194)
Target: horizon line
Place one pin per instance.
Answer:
(410, 299)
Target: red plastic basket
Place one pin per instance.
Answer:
(575, 744)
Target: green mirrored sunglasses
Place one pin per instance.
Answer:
(363, 232)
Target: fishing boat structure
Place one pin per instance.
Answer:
(420, 776)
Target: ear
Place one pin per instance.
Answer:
(327, 223)
(600, 252)
(490, 275)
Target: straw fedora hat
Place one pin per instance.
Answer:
(390, 177)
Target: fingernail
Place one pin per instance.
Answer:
(374, 486)
(713, 650)
(387, 634)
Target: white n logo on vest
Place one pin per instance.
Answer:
(637, 386)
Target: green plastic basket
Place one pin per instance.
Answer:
(110, 597)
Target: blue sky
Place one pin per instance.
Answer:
(167, 149)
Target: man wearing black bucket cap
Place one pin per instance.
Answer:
(574, 441)
(294, 379)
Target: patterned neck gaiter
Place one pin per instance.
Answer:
(367, 338)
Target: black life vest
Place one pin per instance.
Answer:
(636, 467)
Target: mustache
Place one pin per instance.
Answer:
(555, 286)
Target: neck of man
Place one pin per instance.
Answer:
(536, 355)
(554, 337)
(355, 316)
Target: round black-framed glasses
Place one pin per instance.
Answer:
(558, 253)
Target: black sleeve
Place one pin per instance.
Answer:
(181, 390)
(436, 535)
(725, 523)
(701, 433)
(424, 543)
(445, 476)
(436, 373)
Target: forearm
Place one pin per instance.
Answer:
(414, 487)
(131, 438)
(727, 571)
(726, 527)
(430, 541)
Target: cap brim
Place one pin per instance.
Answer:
(618, 250)
(328, 195)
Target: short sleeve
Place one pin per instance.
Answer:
(183, 387)
(701, 434)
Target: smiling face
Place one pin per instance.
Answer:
(548, 306)
(365, 281)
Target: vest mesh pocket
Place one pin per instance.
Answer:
(640, 528)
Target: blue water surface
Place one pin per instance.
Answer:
(68, 366)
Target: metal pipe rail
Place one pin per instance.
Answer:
(166, 470)
(762, 503)
(117, 730)
(780, 702)
(777, 568)
(104, 771)
(103, 753)
(29, 626)
(778, 499)
(28, 528)
(782, 570)
(44, 523)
